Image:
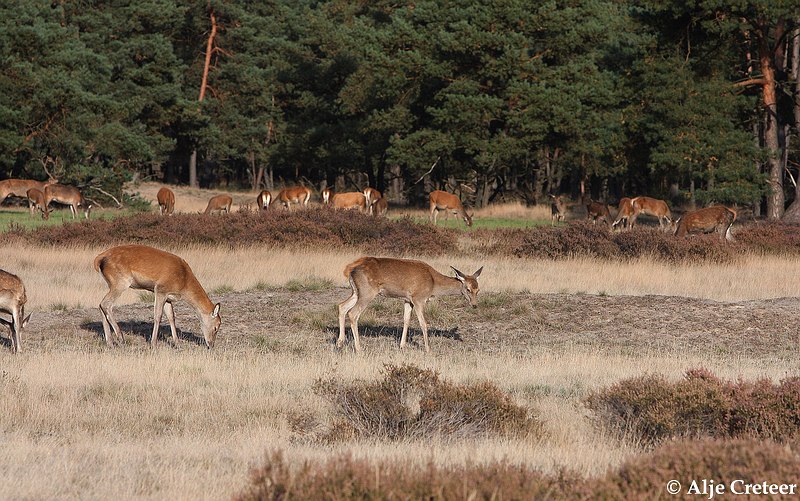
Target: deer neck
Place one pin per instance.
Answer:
(197, 297)
(445, 285)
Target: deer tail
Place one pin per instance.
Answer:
(355, 264)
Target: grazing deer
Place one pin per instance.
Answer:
(381, 207)
(351, 200)
(166, 275)
(441, 200)
(558, 208)
(707, 220)
(12, 301)
(221, 203)
(67, 195)
(652, 207)
(414, 282)
(299, 195)
(166, 201)
(36, 200)
(625, 214)
(597, 210)
(326, 195)
(372, 196)
(263, 200)
(19, 187)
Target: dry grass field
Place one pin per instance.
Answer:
(79, 420)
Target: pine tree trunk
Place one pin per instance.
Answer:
(792, 214)
(775, 198)
(193, 182)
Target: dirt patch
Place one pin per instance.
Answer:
(300, 322)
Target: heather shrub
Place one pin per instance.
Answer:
(770, 237)
(650, 408)
(409, 402)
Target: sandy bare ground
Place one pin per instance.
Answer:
(305, 321)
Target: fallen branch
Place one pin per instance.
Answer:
(104, 192)
(429, 170)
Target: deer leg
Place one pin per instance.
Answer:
(107, 309)
(15, 316)
(170, 311)
(431, 216)
(423, 324)
(344, 308)
(158, 312)
(361, 304)
(73, 210)
(407, 307)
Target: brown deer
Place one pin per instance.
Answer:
(221, 203)
(67, 195)
(299, 195)
(625, 214)
(326, 195)
(351, 200)
(597, 210)
(412, 281)
(441, 200)
(558, 209)
(707, 220)
(652, 207)
(19, 187)
(36, 200)
(263, 200)
(166, 201)
(372, 196)
(12, 301)
(381, 207)
(166, 275)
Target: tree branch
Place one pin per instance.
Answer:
(429, 170)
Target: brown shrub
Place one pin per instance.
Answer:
(409, 402)
(650, 408)
(644, 477)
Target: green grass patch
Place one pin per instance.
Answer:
(20, 217)
(309, 283)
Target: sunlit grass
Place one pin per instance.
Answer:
(18, 216)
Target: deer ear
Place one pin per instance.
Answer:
(215, 312)
(26, 320)
(459, 275)
(477, 273)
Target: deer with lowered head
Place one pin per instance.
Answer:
(36, 200)
(442, 200)
(166, 201)
(415, 282)
(707, 220)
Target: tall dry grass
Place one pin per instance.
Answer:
(65, 278)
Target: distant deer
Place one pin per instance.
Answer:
(707, 220)
(372, 196)
(597, 210)
(166, 201)
(12, 301)
(381, 207)
(299, 195)
(36, 200)
(221, 203)
(441, 200)
(263, 200)
(558, 209)
(625, 214)
(652, 207)
(326, 195)
(166, 275)
(19, 187)
(351, 200)
(412, 281)
(67, 195)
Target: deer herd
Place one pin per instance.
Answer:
(170, 278)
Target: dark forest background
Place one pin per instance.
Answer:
(694, 102)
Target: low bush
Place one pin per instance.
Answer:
(409, 402)
(644, 477)
(650, 408)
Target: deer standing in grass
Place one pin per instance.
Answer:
(372, 196)
(558, 208)
(12, 301)
(299, 195)
(326, 195)
(441, 200)
(166, 201)
(36, 200)
(412, 281)
(67, 195)
(707, 220)
(625, 214)
(221, 203)
(652, 207)
(351, 200)
(19, 187)
(166, 275)
(597, 210)
(263, 200)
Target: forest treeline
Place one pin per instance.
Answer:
(696, 102)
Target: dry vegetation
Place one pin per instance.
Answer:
(549, 335)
